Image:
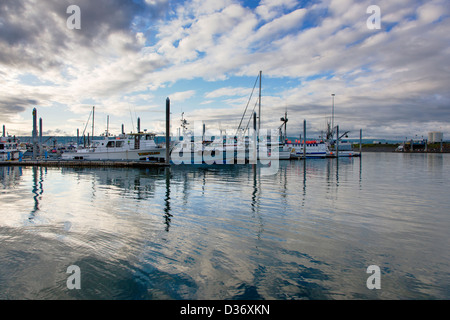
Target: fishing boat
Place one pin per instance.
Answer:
(132, 146)
(345, 150)
(10, 149)
(217, 151)
(314, 149)
(284, 151)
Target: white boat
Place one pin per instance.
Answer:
(215, 151)
(10, 149)
(284, 152)
(314, 149)
(345, 150)
(133, 146)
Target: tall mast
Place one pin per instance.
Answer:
(93, 111)
(259, 111)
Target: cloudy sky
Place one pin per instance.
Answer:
(205, 55)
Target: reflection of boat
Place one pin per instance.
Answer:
(314, 149)
(135, 183)
(10, 149)
(10, 176)
(133, 146)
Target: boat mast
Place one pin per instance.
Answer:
(93, 111)
(259, 111)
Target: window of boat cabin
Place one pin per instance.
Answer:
(119, 144)
(2, 146)
(149, 137)
(110, 144)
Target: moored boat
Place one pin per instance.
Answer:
(10, 149)
(314, 149)
(345, 149)
(133, 146)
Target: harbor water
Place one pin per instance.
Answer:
(310, 231)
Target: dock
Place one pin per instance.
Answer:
(85, 163)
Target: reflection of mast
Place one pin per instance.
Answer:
(167, 209)
(304, 182)
(337, 171)
(255, 207)
(37, 190)
(360, 172)
(255, 188)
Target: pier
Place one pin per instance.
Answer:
(84, 163)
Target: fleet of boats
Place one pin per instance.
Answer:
(141, 146)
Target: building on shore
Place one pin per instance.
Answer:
(435, 136)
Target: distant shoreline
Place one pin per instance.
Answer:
(432, 148)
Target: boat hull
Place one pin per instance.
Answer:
(135, 155)
(344, 154)
(318, 155)
(11, 155)
(313, 151)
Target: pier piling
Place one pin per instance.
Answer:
(304, 139)
(167, 130)
(34, 133)
(40, 138)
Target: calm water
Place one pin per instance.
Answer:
(228, 232)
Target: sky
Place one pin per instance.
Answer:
(127, 57)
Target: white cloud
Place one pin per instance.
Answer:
(430, 12)
(182, 96)
(400, 70)
(229, 91)
(270, 9)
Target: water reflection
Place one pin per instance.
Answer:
(38, 189)
(227, 232)
(10, 176)
(255, 201)
(167, 209)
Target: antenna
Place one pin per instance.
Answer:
(131, 116)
